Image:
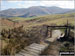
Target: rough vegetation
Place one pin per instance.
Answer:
(19, 34)
(18, 38)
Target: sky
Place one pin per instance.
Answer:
(6, 4)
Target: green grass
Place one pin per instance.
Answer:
(20, 18)
(58, 19)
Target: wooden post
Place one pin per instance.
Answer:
(51, 33)
(68, 32)
(46, 31)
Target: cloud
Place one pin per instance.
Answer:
(28, 3)
(3, 7)
(21, 5)
(15, 0)
(12, 1)
(0, 1)
(63, 4)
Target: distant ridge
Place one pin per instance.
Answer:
(34, 11)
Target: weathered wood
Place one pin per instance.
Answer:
(18, 55)
(66, 27)
(33, 50)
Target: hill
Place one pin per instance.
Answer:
(59, 19)
(33, 11)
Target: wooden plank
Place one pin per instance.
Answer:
(34, 44)
(32, 50)
(29, 55)
(29, 52)
(18, 55)
(26, 54)
(38, 47)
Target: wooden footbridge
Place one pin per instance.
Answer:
(36, 49)
(33, 50)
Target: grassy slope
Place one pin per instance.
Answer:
(20, 18)
(58, 19)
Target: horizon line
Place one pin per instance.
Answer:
(36, 6)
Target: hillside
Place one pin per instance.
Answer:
(59, 19)
(33, 11)
(18, 33)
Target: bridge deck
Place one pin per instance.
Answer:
(35, 49)
(32, 50)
